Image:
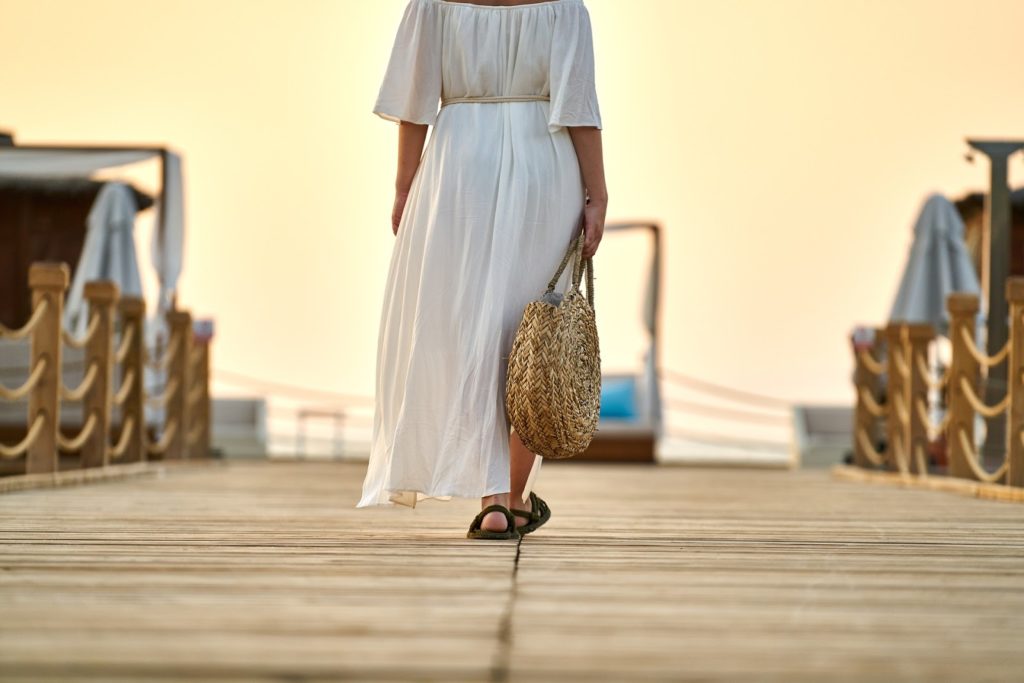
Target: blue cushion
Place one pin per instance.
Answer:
(618, 398)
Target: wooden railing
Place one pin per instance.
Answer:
(114, 348)
(893, 398)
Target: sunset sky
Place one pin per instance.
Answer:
(785, 146)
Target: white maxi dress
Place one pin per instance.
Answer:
(494, 205)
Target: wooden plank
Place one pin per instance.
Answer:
(266, 571)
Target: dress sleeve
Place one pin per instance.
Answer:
(412, 83)
(573, 89)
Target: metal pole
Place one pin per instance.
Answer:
(996, 269)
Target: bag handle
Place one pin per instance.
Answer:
(579, 266)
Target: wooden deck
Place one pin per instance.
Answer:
(265, 572)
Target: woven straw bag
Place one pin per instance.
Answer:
(553, 392)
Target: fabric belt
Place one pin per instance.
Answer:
(497, 98)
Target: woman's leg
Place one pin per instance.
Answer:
(521, 462)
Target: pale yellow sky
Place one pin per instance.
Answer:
(785, 145)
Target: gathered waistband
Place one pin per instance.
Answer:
(496, 98)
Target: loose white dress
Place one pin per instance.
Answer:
(494, 205)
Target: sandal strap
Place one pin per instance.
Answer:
(479, 519)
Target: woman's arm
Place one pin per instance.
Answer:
(411, 137)
(587, 141)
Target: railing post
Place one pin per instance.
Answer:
(99, 350)
(201, 409)
(918, 339)
(133, 312)
(180, 323)
(48, 282)
(1015, 384)
(894, 428)
(865, 381)
(963, 308)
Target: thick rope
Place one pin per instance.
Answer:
(979, 355)
(164, 396)
(126, 386)
(162, 362)
(926, 375)
(73, 445)
(126, 343)
(873, 456)
(160, 447)
(900, 364)
(30, 384)
(971, 456)
(26, 329)
(934, 430)
(90, 332)
(118, 451)
(870, 364)
(870, 404)
(27, 442)
(83, 388)
(978, 405)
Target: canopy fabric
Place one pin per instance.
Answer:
(167, 247)
(108, 252)
(938, 265)
(42, 163)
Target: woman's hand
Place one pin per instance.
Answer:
(398, 210)
(593, 225)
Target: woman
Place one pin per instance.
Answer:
(483, 216)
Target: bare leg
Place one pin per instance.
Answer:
(521, 464)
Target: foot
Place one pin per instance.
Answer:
(518, 504)
(495, 521)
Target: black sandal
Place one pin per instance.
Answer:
(476, 529)
(538, 514)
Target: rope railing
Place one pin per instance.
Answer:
(38, 313)
(119, 450)
(74, 445)
(980, 406)
(870, 364)
(127, 338)
(107, 355)
(81, 342)
(29, 384)
(979, 355)
(901, 394)
(83, 388)
(34, 432)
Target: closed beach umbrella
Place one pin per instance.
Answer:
(938, 265)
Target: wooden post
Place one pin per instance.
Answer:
(916, 393)
(102, 295)
(1015, 373)
(963, 308)
(894, 431)
(48, 282)
(180, 323)
(133, 312)
(201, 410)
(864, 381)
